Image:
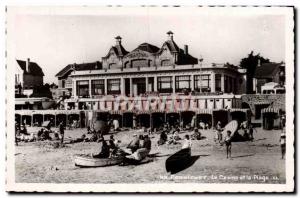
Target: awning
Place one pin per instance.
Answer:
(158, 111)
(240, 110)
(116, 112)
(270, 110)
(220, 109)
(20, 102)
(172, 111)
(262, 102)
(24, 112)
(143, 112)
(204, 111)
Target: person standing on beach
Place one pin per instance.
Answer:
(228, 144)
(62, 131)
(219, 131)
(251, 130)
(282, 144)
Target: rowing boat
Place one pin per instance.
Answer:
(83, 160)
(178, 160)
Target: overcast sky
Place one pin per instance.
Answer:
(53, 40)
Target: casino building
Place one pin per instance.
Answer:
(180, 83)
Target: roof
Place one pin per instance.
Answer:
(119, 50)
(148, 48)
(79, 67)
(34, 68)
(267, 70)
(186, 59)
(172, 46)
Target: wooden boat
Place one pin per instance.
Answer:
(88, 161)
(178, 160)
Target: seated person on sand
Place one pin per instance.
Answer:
(134, 144)
(83, 138)
(187, 143)
(56, 136)
(196, 135)
(143, 151)
(112, 146)
(147, 143)
(104, 153)
(24, 130)
(162, 138)
(175, 137)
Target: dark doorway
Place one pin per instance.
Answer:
(128, 120)
(61, 118)
(221, 116)
(143, 120)
(26, 119)
(187, 117)
(158, 120)
(117, 117)
(18, 118)
(268, 120)
(239, 116)
(51, 118)
(104, 116)
(204, 118)
(173, 119)
(258, 109)
(37, 120)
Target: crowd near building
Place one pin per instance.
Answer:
(155, 85)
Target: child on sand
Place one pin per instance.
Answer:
(228, 144)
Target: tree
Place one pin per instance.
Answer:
(250, 63)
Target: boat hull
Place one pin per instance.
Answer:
(178, 160)
(88, 161)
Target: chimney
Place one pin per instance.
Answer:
(186, 49)
(118, 40)
(170, 34)
(27, 65)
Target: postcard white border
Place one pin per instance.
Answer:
(162, 187)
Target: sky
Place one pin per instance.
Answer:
(54, 40)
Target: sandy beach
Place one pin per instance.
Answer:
(252, 162)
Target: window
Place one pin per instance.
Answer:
(218, 82)
(63, 84)
(226, 84)
(114, 86)
(164, 84)
(82, 88)
(182, 82)
(165, 62)
(98, 87)
(202, 82)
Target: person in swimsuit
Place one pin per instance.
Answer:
(228, 144)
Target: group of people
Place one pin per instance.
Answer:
(109, 148)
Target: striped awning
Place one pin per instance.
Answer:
(262, 102)
(270, 110)
(220, 109)
(158, 111)
(204, 111)
(143, 112)
(240, 110)
(116, 112)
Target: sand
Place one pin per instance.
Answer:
(252, 162)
